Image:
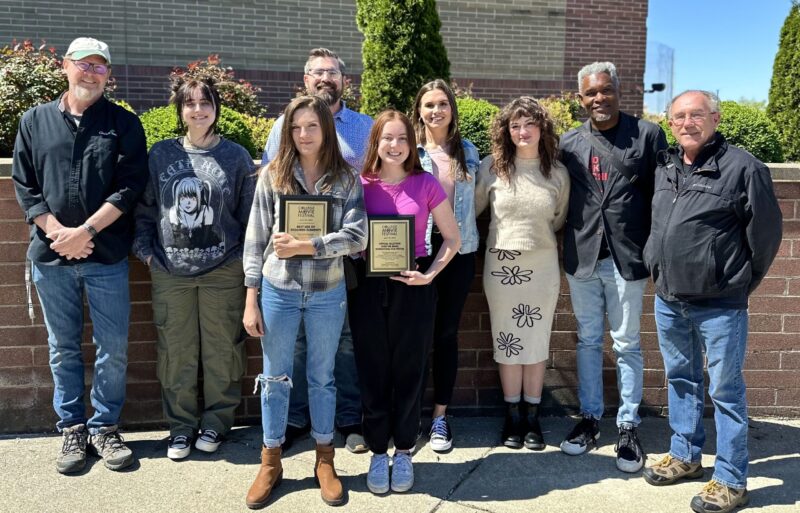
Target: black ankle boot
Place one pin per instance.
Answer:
(533, 438)
(513, 433)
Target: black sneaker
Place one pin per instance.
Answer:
(630, 456)
(208, 441)
(441, 436)
(179, 447)
(108, 444)
(72, 457)
(354, 439)
(292, 434)
(585, 433)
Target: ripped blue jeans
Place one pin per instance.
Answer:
(322, 314)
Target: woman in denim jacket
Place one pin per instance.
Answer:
(454, 162)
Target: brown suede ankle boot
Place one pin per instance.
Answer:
(269, 477)
(325, 474)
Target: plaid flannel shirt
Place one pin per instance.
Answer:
(324, 269)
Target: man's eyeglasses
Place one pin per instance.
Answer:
(320, 72)
(99, 69)
(696, 117)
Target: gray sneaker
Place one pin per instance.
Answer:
(108, 444)
(72, 457)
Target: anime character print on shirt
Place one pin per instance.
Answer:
(192, 196)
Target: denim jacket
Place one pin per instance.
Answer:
(464, 199)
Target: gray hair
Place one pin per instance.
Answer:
(599, 67)
(711, 98)
(322, 52)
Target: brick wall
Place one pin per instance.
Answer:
(504, 49)
(772, 366)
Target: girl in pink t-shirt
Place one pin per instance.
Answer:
(392, 317)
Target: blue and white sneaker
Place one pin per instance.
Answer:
(378, 475)
(208, 441)
(402, 472)
(441, 436)
(179, 447)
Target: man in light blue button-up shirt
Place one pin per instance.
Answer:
(324, 77)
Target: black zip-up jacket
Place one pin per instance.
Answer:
(716, 227)
(71, 171)
(620, 212)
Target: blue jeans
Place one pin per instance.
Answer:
(684, 333)
(348, 397)
(607, 292)
(61, 289)
(322, 314)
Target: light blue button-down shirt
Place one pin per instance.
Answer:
(352, 131)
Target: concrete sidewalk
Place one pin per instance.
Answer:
(475, 476)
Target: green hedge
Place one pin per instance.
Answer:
(474, 121)
(161, 123)
(747, 127)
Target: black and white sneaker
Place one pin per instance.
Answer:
(584, 434)
(208, 441)
(630, 456)
(441, 436)
(179, 447)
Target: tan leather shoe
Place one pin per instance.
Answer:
(269, 477)
(325, 474)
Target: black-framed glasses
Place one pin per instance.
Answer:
(98, 69)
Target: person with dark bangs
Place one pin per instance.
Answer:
(190, 226)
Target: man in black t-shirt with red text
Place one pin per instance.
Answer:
(611, 160)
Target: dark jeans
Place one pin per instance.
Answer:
(392, 327)
(452, 286)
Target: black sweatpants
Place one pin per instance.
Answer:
(392, 325)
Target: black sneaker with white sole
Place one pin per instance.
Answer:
(179, 447)
(208, 441)
(585, 433)
(630, 456)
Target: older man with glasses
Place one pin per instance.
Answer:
(716, 229)
(80, 163)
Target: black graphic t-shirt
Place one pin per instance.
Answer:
(193, 214)
(599, 170)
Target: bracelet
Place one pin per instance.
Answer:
(89, 228)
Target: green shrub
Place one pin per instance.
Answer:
(474, 121)
(402, 50)
(747, 127)
(784, 92)
(239, 95)
(564, 111)
(259, 131)
(161, 123)
(125, 105)
(28, 77)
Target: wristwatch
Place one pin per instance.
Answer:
(89, 228)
